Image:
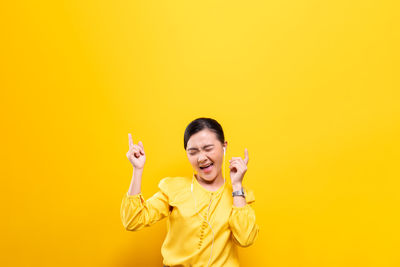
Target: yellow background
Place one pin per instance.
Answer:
(311, 88)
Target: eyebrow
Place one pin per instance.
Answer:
(193, 148)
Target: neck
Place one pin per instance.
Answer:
(212, 185)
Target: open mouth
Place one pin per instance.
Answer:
(207, 167)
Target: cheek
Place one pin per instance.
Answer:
(216, 158)
(193, 162)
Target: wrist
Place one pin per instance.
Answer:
(237, 186)
(136, 170)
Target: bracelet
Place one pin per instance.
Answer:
(238, 193)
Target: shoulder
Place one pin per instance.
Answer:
(171, 186)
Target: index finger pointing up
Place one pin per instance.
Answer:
(130, 140)
(246, 156)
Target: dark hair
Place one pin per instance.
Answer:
(203, 123)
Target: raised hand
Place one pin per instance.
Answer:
(136, 154)
(238, 168)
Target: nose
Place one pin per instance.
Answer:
(202, 157)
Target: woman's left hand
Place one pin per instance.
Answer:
(238, 168)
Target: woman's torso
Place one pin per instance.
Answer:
(190, 231)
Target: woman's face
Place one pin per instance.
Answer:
(203, 148)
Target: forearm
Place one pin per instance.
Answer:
(136, 182)
(238, 201)
(242, 220)
(138, 212)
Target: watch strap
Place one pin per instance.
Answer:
(238, 193)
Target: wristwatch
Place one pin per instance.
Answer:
(238, 193)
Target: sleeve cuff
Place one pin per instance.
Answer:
(241, 208)
(127, 194)
(138, 197)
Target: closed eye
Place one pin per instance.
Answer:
(207, 148)
(194, 153)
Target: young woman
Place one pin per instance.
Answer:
(207, 216)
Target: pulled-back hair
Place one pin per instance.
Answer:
(203, 123)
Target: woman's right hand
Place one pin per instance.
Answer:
(136, 154)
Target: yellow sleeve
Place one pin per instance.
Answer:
(136, 212)
(242, 222)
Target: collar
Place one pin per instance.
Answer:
(208, 192)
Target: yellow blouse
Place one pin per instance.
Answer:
(189, 239)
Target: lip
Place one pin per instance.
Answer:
(208, 163)
(208, 169)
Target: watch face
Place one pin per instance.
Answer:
(238, 193)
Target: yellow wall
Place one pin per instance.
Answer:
(311, 88)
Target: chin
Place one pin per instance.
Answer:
(209, 176)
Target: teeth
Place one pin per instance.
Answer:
(203, 167)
